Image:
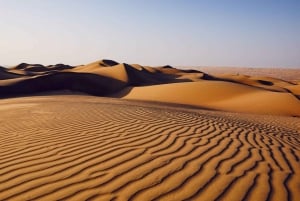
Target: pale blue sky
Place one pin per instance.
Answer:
(259, 33)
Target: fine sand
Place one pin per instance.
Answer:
(77, 147)
(109, 131)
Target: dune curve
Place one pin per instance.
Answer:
(233, 93)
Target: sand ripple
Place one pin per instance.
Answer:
(95, 149)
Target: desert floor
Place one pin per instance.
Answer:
(77, 147)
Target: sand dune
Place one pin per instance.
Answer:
(219, 95)
(281, 73)
(93, 148)
(234, 93)
(159, 133)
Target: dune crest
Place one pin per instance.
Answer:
(234, 93)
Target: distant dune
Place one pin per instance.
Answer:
(225, 92)
(281, 73)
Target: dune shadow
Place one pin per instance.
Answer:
(81, 82)
(264, 82)
(121, 93)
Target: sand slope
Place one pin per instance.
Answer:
(92, 148)
(226, 92)
(219, 95)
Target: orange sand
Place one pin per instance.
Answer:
(159, 134)
(225, 92)
(90, 148)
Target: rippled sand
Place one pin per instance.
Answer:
(92, 148)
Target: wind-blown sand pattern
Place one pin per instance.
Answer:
(160, 133)
(90, 148)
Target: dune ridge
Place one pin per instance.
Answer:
(280, 73)
(93, 148)
(235, 93)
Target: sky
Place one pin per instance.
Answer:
(250, 33)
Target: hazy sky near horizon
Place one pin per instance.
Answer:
(257, 33)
